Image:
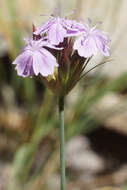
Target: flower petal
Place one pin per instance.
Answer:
(44, 63)
(85, 48)
(21, 62)
(56, 33)
(45, 27)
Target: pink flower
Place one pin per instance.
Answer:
(36, 59)
(73, 27)
(91, 42)
(58, 28)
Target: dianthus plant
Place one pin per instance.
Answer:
(58, 53)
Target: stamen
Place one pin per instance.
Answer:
(50, 16)
(98, 23)
(71, 13)
(89, 21)
(56, 12)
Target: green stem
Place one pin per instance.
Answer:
(62, 159)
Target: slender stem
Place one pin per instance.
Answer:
(62, 159)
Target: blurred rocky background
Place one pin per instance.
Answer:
(96, 110)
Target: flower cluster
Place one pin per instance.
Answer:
(59, 52)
